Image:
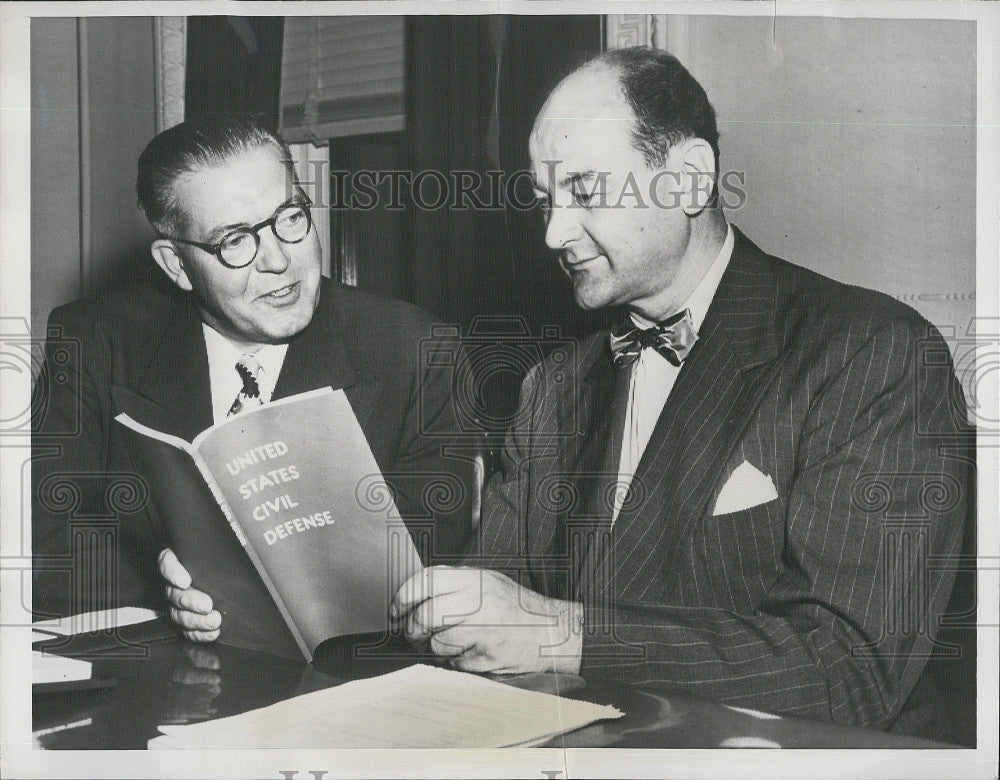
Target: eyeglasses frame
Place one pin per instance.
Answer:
(254, 230)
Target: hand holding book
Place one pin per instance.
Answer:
(191, 609)
(268, 516)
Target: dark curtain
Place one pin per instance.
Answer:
(536, 53)
(450, 87)
(233, 66)
(474, 85)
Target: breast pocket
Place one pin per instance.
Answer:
(738, 554)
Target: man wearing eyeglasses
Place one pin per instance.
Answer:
(245, 298)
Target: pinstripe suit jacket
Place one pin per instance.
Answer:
(819, 603)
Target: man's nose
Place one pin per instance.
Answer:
(272, 254)
(563, 227)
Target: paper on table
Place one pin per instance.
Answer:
(47, 668)
(417, 707)
(93, 621)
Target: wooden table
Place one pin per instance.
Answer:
(158, 678)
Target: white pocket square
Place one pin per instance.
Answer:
(746, 487)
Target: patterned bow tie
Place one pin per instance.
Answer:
(249, 369)
(672, 338)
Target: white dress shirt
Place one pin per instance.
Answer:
(223, 377)
(652, 377)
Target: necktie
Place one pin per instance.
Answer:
(249, 397)
(672, 338)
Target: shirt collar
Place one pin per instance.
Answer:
(222, 358)
(701, 298)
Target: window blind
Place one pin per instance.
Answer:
(341, 75)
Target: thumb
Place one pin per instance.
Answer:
(172, 570)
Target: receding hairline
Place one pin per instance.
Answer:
(178, 213)
(564, 103)
(615, 93)
(251, 148)
(653, 134)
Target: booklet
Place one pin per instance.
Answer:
(269, 511)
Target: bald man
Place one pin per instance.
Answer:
(691, 503)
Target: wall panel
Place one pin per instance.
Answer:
(856, 138)
(93, 110)
(55, 167)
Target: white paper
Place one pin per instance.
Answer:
(47, 668)
(93, 621)
(417, 707)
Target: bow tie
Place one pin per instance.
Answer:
(672, 338)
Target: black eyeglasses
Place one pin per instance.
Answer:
(238, 248)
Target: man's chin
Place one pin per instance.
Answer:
(589, 300)
(282, 325)
(284, 330)
(287, 331)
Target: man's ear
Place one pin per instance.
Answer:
(165, 254)
(697, 164)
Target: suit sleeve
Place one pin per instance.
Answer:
(501, 542)
(433, 474)
(846, 629)
(70, 483)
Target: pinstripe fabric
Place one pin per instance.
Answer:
(819, 603)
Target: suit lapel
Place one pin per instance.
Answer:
(596, 472)
(563, 496)
(174, 393)
(175, 386)
(721, 382)
(319, 356)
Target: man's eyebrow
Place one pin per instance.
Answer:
(574, 177)
(216, 234)
(569, 180)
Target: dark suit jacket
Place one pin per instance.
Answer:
(821, 602)
(143, 347)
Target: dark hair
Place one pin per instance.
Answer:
(184, 148)
(669, 104)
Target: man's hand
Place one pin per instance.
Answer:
(483, 621)
(190, 609)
